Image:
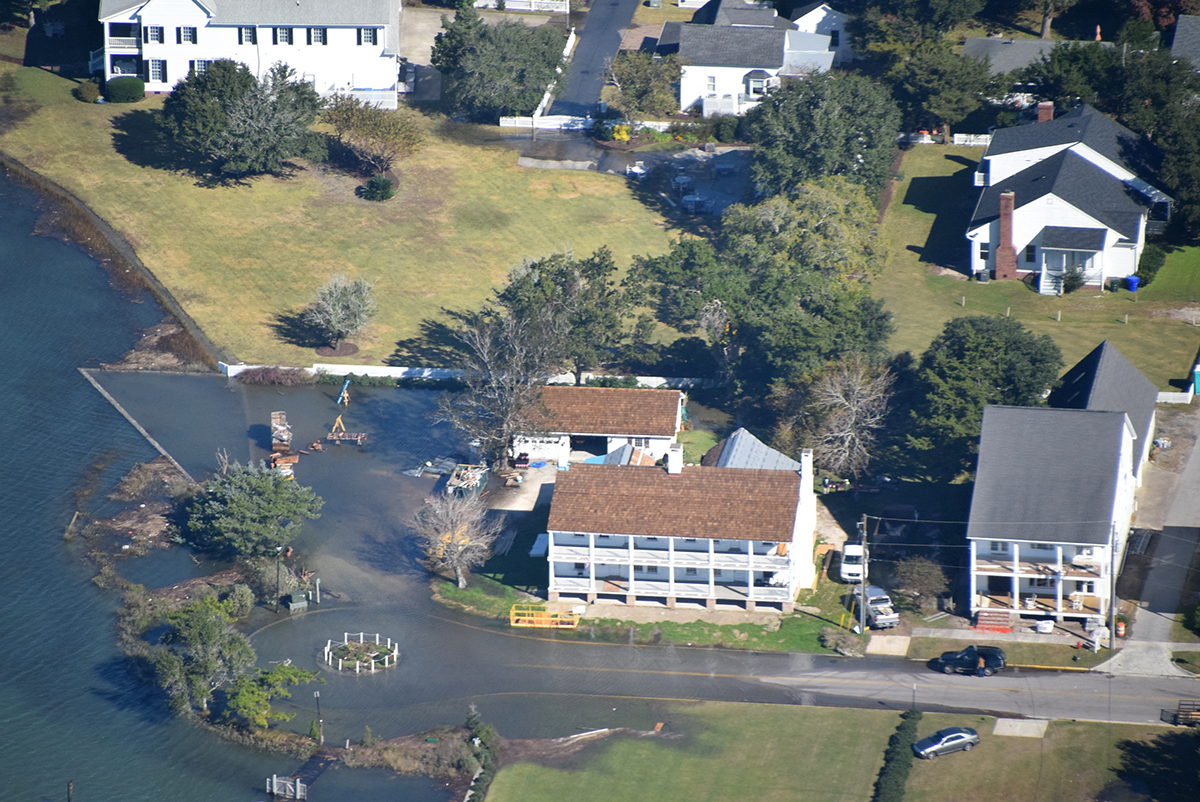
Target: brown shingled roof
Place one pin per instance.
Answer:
(611, 411)
(699, 502)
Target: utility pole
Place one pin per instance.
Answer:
(1112, 594)
(862, 587)
(320, 721)
(278, 558)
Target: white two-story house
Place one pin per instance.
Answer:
(1063, 194)
(594, 421)
(349, 46)
(822, 18)
(733, 51)
(1050, 512)
(704, 535)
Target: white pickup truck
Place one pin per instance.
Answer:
(881, 613)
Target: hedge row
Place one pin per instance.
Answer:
(897, 760)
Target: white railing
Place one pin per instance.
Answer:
(96, 61)
(543, 6)
(124, 42)
(973, 140)
(384, 97)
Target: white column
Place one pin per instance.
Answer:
(550, 561)
(750, 572)
(630, 549)
(1016, 580)
(592, 562)
(712, 579)
(971, 577)
(671, 567)
(1058, 582)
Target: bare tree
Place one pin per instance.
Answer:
(455, 534)
(341, 308)
(851, 400)
(508, 362)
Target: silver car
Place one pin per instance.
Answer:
(943, 742)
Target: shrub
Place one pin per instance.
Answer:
(897, 760)
(627, 382)
(281, 377)
(1072, 279)
(126, 89)
(726, 128)
(1153, 258)
(501, 5)
(87, 91)
(378, 188)
(601, 131)
(620, 133)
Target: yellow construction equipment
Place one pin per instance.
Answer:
(338, 433)
(542, 617)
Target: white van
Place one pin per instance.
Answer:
(854, 562)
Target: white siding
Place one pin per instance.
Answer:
(694, 83)
(824, 20)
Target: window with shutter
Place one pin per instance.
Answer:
(367, 36)
(247, 36)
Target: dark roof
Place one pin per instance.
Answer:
(1106, 380)
(712, 46)
(1082, 124)
(668, 40)
(738, 12)
(1075, 180)
(1073, 239)
(1046, 475)
(1187, 39)
(611, 411)
(699, 502)
(805, 10)
(1006, 55)
(743, 450)
(284, 12)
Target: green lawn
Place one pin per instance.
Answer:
(242, 259)
(724, 751)
(696, 442)
(924, 229)
(1019, 654)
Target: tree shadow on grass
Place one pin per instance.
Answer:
(437, 346)
(1168, 766)
(294, 329)
(139, 139)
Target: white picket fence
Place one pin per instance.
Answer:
(543, 6)
(446, 374)
(974, 140)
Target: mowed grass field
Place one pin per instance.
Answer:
(242, 258)
(726, 751)
(924, 228)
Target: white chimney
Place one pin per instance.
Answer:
(675, 459)
(806, 464)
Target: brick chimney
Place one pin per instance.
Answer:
(1046, 111)
(1006, 255)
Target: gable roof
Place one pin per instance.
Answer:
(1081, 125)
(1077, 181)
(1066, 238)
(1187, 39)
(700, 502)
(1106, 380)
(611, 411)
(1006, 55)
(1046, 475)
(743, 450)
(720, 46)
(741, 13)
(805, 10)
(282, 12)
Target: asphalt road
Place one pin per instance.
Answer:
(598, 42)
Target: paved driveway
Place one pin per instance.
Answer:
(598, 42)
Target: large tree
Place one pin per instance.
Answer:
(496, 70)
(203, 652)
(341, 308)
(456, 533)
(784, 288)
(507, 361)
(938, 88)
(1085, 71)
(249, 511)
(645, 84)
(847, 406)
(581, 295)
(244, 125)
(824, 126)
(249, 700)
(974, 362)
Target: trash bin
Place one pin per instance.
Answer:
(1132, 283)
(655, 3)
(1045, 627)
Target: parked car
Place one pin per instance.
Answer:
(967, 661)
(881, 614)
(943, 742)
(854, 560)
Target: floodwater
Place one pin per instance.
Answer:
(72, 709)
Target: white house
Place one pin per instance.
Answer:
(823, 19)
(732, 52)
(1063, 194)
(699, 534)
(1050, 512)
(599, 420)
(351, 46)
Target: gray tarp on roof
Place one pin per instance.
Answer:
(1046, 475)
(1063, 238)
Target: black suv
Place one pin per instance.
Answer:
(967, 661)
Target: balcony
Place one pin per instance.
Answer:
(1000, 566)
(1074, 604)
(659, 588)
(124, 43)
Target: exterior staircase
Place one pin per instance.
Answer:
(994, 620)
(1051, 283)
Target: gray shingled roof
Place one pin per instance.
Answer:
(738, 12)
(805, 10)
(1187, 39)
(743, 450)
(1073, 239)
(1046, 475)
(715, 46)
(1006, 55)
(1079, 125)
(1075, 180)
(285, 12)
(1106, 380)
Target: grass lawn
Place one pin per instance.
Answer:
(244, 259)
(1188, 661)
(1019, 654)
(670, 12)
(724, 751)
(696, 442)
(924, 229)
(482, 595)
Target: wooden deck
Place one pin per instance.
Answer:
(999, 565)
(1032, 604)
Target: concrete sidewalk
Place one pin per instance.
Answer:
(1144, 659)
